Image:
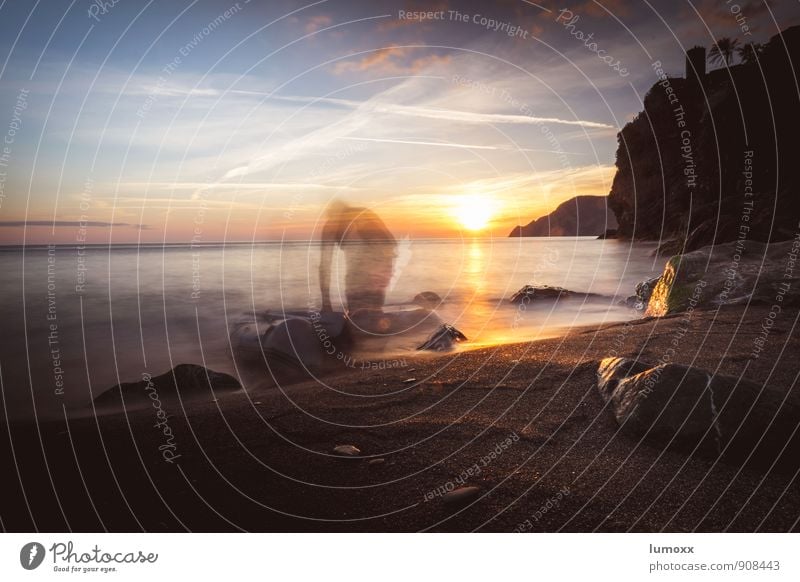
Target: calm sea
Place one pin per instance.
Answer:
(78, 321)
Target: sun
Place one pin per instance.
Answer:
(474, 212)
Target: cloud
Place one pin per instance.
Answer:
(391, 61)
(229, 186)
(69, 223)
(616, 7)
(414, 6)
(562, 182)
(448, 114)
(318, 22)
(384, 115)
(719, 14)
(448, 144)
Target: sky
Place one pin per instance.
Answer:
(205, 121)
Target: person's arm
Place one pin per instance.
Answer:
(329, 240)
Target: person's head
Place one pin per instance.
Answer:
(336, 208)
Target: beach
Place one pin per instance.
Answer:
(522, 422)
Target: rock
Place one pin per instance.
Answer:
(376, 462)
(346, 450)
(427, 300)
(443, 339)
(685, 407)
(728, 274)
(288, 343)
(461, 496)
(643, 292)
(375, 324)
(184, 380)
(670, 247)
(409, 380)
(612, 371)
(539, 292)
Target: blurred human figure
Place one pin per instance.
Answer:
(369, 249)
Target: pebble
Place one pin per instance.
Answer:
(461, 496)
(409, 380)
(346, 450)
(376, 462)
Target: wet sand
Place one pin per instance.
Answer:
(523, 422)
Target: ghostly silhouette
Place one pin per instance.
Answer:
(369, 249)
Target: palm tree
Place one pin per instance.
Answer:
(750, 52)
(723, 50)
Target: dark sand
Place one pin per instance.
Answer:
(261, 461)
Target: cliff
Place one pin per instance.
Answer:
(714, 162)
(579, 216)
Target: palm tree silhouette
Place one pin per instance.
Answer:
(750, 52)
(723, 50)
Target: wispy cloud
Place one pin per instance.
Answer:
(391, 61)
(315, 23)
(258, 186)
(563, 182)
(447, 144)
(370, 117)
(446, 114)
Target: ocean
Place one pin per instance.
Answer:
(77, 321)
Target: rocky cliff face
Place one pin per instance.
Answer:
(579, 216)
(715, 163)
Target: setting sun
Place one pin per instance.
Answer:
(475, 212)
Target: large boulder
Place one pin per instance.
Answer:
(684, 407)
(289, 343)
(532, 292)
(727, 274)
(529, 293)
(427, 300)
(184, 380)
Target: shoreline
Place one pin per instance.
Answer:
(263, 460)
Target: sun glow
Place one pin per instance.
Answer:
(475, 212)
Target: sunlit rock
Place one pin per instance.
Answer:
(642, 294)
(729, 274)
(443, 339)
